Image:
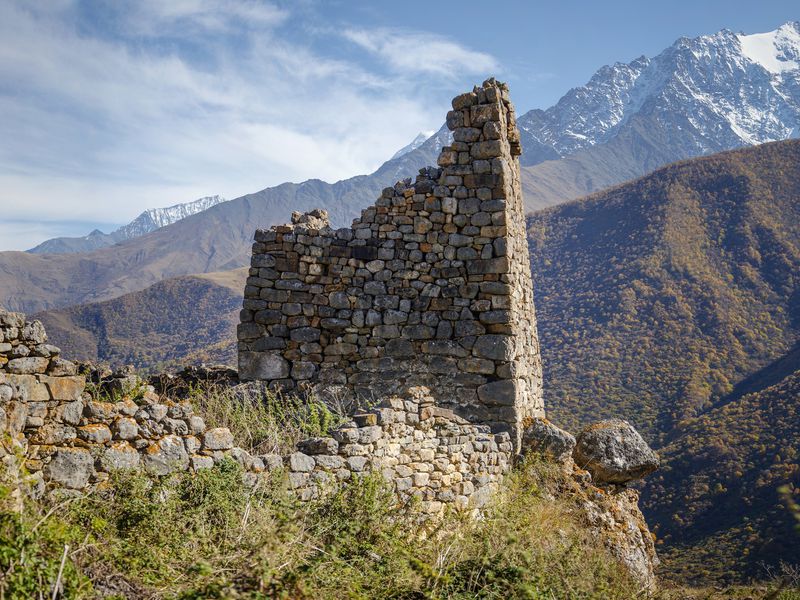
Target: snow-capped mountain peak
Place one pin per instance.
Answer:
(155, 218)
(416, 143)
(149, 220)
(777, 51)
(709, 93)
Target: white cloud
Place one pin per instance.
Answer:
(415, 51)
(98, 127)
(185, 17)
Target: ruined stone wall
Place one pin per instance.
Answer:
(430, 287)
(426, 452)
(64, 436)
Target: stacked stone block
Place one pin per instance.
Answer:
(426, 452)
(430, 287)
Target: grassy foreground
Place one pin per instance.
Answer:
(209, 536)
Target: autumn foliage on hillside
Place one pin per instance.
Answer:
(655, 300)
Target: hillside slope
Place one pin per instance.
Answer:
(655, 298)
(674, 301)
(716, 500)
(183, 320)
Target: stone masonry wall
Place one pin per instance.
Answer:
(66, 438)
(430, 287)
(428, 453)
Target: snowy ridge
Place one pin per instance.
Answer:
(777, 51)
(720, 91)
(416, 143)
(155, 218)
(149, 220)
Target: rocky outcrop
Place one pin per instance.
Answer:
(613, 516)
(614, 452)
(610, 509)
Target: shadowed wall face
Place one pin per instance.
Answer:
(431, 286)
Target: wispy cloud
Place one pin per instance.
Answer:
(213, 16)
(163, 102)
(421, 52)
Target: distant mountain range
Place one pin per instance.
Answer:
(149, 220)
(700, 95)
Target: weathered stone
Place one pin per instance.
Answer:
(196, 425)
(165, 456)
(28, 365)
(33, 332)
(300, 462)
(258, 365)
(71, 468)
(543, 437)
(120, 455)
(219, 438)
(494, 347)
(614, 452)
(60, 368)
(319, 445)
(65, 388)
(30, 388)
(96, 433)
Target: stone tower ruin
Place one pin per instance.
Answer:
(430, 287)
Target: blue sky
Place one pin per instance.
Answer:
(110, 107)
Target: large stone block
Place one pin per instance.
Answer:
(165, 456)
(28, 365)
(64, 388)
(71, 468)
(494, 347)
(262, 366)
(30, 388)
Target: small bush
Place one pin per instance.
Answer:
(264, 422)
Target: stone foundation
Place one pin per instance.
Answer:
(424, 451)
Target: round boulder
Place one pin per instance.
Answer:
(614, 452)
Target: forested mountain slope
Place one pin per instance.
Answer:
(656, 297)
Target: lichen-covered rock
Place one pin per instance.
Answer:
(28, 365)
(614, 452)
(545, 438)
(120, 455)
(219, 438)
(165, 456)
(71, 468)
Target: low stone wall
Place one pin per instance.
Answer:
(69, 439)
(426, 452)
